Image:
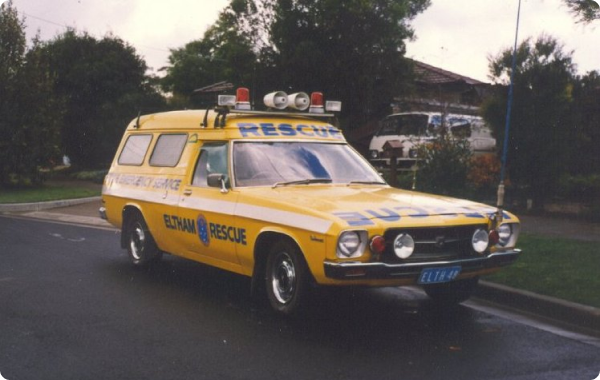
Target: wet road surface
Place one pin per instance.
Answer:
(71, 307)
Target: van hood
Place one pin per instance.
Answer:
(376, 205)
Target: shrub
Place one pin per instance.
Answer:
(484, 171)
(444, 166)
(96, 176)
(581, 188)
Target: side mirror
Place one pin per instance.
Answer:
(217, 180)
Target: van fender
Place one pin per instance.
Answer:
(265, 239)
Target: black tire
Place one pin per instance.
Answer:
(286, 278)
(452, 293)
(141, 247)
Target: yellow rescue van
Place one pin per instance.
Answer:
(281, 197)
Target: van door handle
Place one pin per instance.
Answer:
(187, 192)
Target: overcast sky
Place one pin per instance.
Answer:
(456, 35)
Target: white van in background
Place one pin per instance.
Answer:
(415, 128)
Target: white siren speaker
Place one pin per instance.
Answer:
(299, 101)
(278, 100)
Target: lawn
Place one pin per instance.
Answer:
(562, 268)
(46, 193)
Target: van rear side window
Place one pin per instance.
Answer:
(135, 149)
(168, 149)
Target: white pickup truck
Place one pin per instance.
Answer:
(415, 128)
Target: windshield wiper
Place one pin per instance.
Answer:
(303, 182)
(365, 183)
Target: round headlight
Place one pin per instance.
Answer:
(505, 232)
(480, 240)
(404, 246)
(349, 243)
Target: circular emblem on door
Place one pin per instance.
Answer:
(203, 230)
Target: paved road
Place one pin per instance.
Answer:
(71, 307)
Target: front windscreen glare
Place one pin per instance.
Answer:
(269, 163)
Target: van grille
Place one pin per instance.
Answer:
(434, 244)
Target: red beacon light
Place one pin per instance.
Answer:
(316, 103)
(242, 97)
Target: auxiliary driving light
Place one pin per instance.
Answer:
(404, 246)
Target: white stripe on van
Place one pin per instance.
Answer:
(305, 222)
(265, 214)
(170, 199)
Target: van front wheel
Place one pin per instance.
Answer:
(141, 247)
(286, 277)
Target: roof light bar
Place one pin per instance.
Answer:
(279, 100)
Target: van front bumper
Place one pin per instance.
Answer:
(354, 270)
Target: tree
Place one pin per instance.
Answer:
(12, 42)
(29, 116)
(540, 131)
(352, 50)
(224, 53)
(585, 10)
(103, 85)
(12, 50)
(36, 140)
(585, 122)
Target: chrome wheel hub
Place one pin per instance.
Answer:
(137, 242)
(283, 278)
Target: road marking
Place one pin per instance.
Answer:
(70, 222)
(531, 321)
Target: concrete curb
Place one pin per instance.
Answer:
(24, 207)
(71, 219)
(583, 318)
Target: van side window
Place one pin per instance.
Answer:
(135, 149)
(168, 149)
(212, 159)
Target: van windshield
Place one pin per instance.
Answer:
(275, 163)
(405, 125)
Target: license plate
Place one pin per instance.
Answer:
(439, 275)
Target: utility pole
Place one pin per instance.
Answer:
(500, 202)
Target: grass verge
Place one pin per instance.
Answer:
(562, 268)
(46, 193)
